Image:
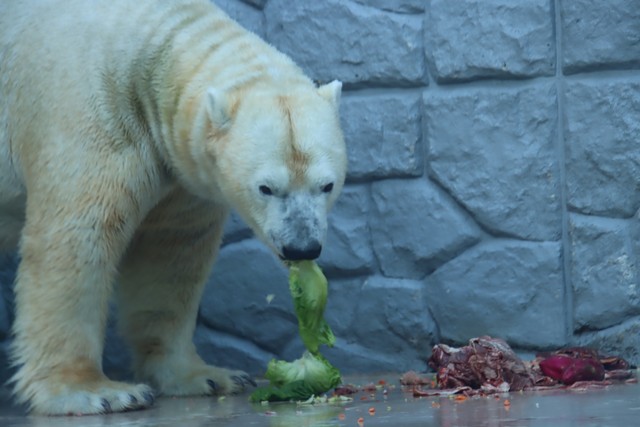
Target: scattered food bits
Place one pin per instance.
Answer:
(507, 403)
(346, 389)
(460, 398)
(413, 378)
(369, 387)
(372, 411)
(360, 422)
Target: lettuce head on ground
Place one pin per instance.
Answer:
(312, 374)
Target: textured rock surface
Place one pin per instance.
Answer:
(365, 317)
(384, 134)
(602, 132)
(619, 339)
(604, 268)
(248, 296)
(348, 247)
(494, 150)
(400, 6)
(334, 39)
(468, 39)
(423, 228)
(250, 18)
(500, 289)
(597, 34)
(489, 190)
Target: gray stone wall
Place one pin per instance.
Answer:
(493, 187)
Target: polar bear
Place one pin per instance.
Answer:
(128, 130)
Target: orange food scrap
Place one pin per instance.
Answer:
(460, 398)
(372, 411)
(360, 422)
(507, 404)
(341, 417)
(382, 382)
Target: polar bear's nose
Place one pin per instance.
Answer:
(293, 253)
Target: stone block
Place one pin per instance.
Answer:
(335, 39)
(620, 340)
(495, 151)
(600, 34)
(235, 229)
(5, 322)
(231, 352)
(602, 151)
(471, 39)
(503, 288)
(117, 355)
(8, 267)
(248, 296)
(604, 271)
(416, 227)
(247, 16)
(257, 3)
(352, 358)
(383, 135)
(347, 249)
(398, 6)
(377, 332)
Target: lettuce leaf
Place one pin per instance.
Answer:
(309, 289)
(312, 374)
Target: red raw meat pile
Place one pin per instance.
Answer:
(489, 365)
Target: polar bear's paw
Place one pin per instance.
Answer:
(98, 397)
(205, 380)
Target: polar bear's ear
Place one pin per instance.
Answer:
(331, 92)
(218, 107)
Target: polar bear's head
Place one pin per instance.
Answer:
(281, 162)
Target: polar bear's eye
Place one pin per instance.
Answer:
(327, 188)
(265, 190)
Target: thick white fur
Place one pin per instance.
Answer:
(128, 130)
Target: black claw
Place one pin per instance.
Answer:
(250, 380)
(212, 385)
(149, 398)
(106, 405)
(133, 400)
(243, 380)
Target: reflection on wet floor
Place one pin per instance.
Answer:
(390, 404)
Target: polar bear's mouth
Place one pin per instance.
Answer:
(294, 253)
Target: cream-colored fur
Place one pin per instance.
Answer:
(128, 130)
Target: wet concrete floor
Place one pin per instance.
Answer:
(615, 405)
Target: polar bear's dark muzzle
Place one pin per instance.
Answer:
(292, 253)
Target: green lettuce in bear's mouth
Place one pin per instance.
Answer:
(312, 374)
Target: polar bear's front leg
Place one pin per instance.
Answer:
(70, 246)
(161, 283)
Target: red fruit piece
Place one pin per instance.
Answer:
(583, 370)
(554, 366)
